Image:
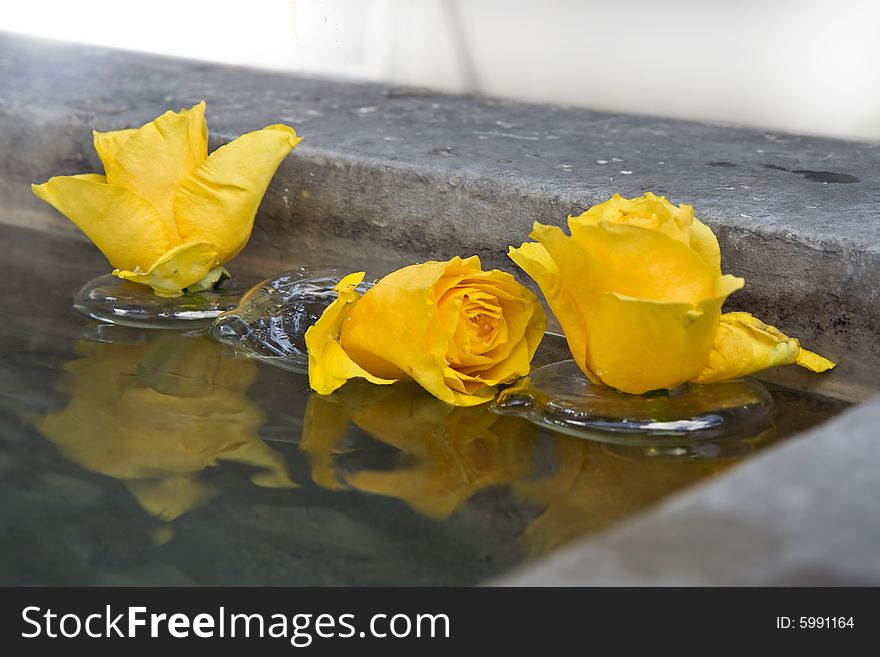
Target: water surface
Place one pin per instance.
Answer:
(152, 457)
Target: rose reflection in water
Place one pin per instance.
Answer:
(155, 414)
(447, 455)
(594, 486)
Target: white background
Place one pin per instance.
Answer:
(809, 66)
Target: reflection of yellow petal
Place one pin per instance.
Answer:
(272, 469)
(595, 487)
(324, 425)
(329, 365)
(744, 345)
(219, 200)
(422, 490)
(449, 454)
(176, 269)
(107, 144)
(128, 230)
(155, 414)
(168, 499)
(158, 156)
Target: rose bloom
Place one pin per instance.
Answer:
(456, 330)
(638, 290)
(165, 213)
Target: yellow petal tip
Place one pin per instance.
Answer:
(280, 127)
(349, 282)
(814, 362)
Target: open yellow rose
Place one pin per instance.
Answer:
(638, 290)
(165, 214)
(456, 330)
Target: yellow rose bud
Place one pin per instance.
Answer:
(638, 290)
(456, 330)
(166, 214)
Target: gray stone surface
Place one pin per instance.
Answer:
(805, 513)
(388, 174)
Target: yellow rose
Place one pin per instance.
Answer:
(157, 413)
(166, 214)
(638, 290)
(456, 330)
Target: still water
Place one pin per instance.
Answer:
(150, 457)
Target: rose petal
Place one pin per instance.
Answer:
(744, 345)
(329, 365)
(107, 144)
(648, 211)
(637, 345)
(535, 261)
(704, 242)
(175, 269)
(639, 262)
(217, 201)
(395, 328)
(154, 160)
(126, 228)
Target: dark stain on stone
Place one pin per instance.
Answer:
(827, 176)
(726, 165)
(818, 176)
(410, 92)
